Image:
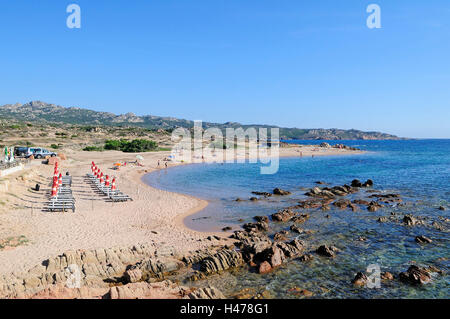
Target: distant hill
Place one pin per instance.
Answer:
(38, 111)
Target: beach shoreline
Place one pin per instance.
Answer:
(155, 216)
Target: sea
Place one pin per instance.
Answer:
(418, 170)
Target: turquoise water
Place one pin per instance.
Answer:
(419, 170)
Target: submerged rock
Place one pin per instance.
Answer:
(300, 219)
(342, 203)
(361, 202)
(423, 240)
(373, 206)
(265, 194)
(306, 257)
(409, 220)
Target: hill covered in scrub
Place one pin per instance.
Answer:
(42, 112)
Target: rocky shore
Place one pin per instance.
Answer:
(141, 271)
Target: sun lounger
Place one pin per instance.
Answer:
(60, 206)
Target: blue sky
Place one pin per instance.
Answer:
(308, 64)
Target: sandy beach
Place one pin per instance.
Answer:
(153, 217)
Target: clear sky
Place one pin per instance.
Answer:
(308, 64)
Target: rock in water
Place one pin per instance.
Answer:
(327, 251)
(415, 275)
(441, 208)
(360, 279)
(283, 215)
(368, 183)
(342, 203)
(356, 183)
(264, 267)
(409, 220)
(306, 257)
(279, 191)
(387, 276)
(263, 219)
(423, 240)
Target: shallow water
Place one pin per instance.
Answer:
(419, 170)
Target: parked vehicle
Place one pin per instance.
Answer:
(38, 152)
(22, 151)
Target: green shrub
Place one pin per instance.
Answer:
(93, 149)
(54, 146)
(140, 145)
(135, 146)
(115, 145)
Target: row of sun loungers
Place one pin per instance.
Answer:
(61, 197)
(104, 187)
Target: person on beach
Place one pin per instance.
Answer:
(159, 163)
(166, 164)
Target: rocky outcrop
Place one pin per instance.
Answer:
(410, 220)
(283, 215)
(415, 275)
(327, 251)
(90, 267)
(206, 293)
(281, 192)
(258, 226)
(222, 260)
(360, 279)
(342, 203)
(423, 240)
